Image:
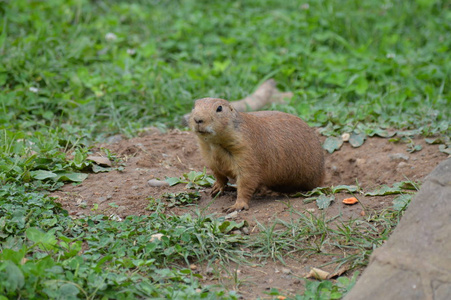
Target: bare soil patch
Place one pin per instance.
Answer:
(156, 155)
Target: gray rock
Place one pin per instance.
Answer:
(415, 263)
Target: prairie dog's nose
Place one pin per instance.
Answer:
(198, 121)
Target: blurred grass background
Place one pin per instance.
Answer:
(103, 67)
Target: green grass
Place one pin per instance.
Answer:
(75, 72)
(347, 62)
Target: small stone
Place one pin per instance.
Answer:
(402, 164)
(236, 232)
(231, 215)
(209, 271)
(360, 162)
(286, 271)
(193, 267)
(157, 183)
(245, 230)
(101, 199)
(109, 196)
(115, 217)
(362, 213)
(345, 137)
(134, 187)
(399, 156)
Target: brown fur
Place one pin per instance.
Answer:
(265, 148)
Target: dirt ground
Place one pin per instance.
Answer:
(156, 155)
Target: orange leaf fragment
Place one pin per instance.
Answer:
(350, 201)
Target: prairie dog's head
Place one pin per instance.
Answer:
(210, 117)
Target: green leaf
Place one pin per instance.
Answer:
(316, 191)
(332, 143)
(74, 177)
(42, 174)
(324, 201)
(436, 140)
(193, 176)
(15, 279)
(414, 148)
(407, 185)
(98, 169)
(357, 139)
(412, 132)
(445, 149)
(397, 188)
(228, 226)
(348, 188)
(68, 290)
(401, 201)
(381, 132)
(173, 180)
(45, 240)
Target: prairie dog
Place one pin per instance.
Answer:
(264, 148)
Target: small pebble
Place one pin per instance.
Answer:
(402, 164)
(157, 183)
(345, 137)
(231, 215)
(399, 156)
(286, 271)
(209, 271)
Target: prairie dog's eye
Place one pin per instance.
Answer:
(219, 109)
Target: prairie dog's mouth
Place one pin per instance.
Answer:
(203, 130)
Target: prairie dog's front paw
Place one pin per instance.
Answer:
(217, 188)
(238, 206)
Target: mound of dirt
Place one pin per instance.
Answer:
(158, 155)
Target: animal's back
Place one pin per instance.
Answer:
(286, 149)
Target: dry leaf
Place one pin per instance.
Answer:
(350, 201)
(101, 161)
(338, 273)
(318, 274)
